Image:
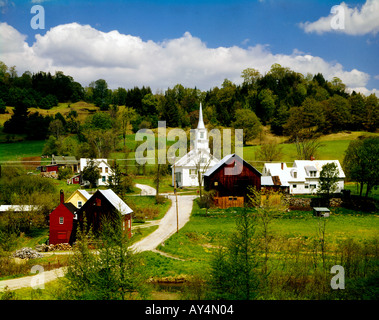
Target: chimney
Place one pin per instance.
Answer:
(62, 196)
(282, 165)
(312, 158)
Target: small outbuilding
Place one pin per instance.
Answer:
(321, 212)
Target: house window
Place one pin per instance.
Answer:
(201, 135)
(80, 203)
(61, 220)
(106, 169)
(193, 172)
(306, 186)
(295, 174)
(313, 186)
(294, 186)
(312, 173)
(98, 202)
(103, 178)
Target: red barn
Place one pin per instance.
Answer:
(230, 179)
(61, 222)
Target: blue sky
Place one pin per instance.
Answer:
(261, 32)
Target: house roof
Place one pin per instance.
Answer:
(218, 165)
(18, 208)
(227, 160)
(84, 193)
(304, 166)
(97, 162)
(267, 181)
(70, 207)
(116, 201)
(275, 170)
(301, 167)
(64, 160)
(192, 157)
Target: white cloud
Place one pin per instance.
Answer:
(365, 91)
(88, 54)
(354, 21)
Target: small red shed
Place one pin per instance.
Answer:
(76, 179)
(61, 222)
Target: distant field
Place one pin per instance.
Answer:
(17, 151)
(82, 108)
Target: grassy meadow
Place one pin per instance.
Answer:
(295, 262)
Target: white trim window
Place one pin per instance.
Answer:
(61, 220)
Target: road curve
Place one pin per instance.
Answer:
(168, 225)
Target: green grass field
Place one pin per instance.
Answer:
(294, 262)
(17, 151)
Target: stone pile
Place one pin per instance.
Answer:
(53, 247)
(26, 253)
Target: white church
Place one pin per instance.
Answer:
(199, 159)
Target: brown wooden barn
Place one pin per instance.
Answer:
(230, 179)
(103, 204)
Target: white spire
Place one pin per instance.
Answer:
(200, 125)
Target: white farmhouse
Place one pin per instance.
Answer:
(303, 177)
(104, 168)
(199, 159)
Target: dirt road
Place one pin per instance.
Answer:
(168, 224)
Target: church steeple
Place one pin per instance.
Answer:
(201, 137)
(200, 125)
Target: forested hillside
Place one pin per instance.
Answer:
(286, 100)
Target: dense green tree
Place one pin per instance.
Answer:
(91, 173)
(337, 114)
(329, 176)
(99, 120)
(371, 121)
(266, 107)
(361, 162)
(234, 273)
(37, 126)
(2, 106)
(249, 122)
(114, 272)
